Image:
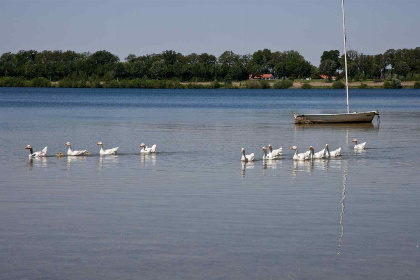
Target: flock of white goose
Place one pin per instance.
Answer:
(272, 155)
(308, 155)
(43, 153)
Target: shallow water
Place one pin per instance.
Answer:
(193, 211)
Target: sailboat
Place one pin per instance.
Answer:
(354, 117)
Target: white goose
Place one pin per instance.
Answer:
(360, 146)
(267, 156)
(301, 156)
(275, 153)
(335, 153)
(317, 155)
(147, 150)
(70, 152)
(247, 158)
(42, 153)
(112, 151)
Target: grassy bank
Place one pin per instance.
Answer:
(173, 84)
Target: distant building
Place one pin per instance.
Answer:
(261, 77)
(326, 77)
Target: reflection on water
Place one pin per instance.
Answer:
(37, 161)
(359, 152)
(147, 159)
(246, 165)
(298, 165)
(74, 159)
(337, 126)
(316, 164)
(270, 164)
(107, 160)
(342, 208)
(107, 210)
(333, 163)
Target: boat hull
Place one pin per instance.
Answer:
(356, 117)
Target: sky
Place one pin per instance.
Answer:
(212, 26)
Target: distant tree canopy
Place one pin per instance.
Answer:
(171, 65)
(56, 65)
(403, 63)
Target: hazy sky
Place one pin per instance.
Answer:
(212, 26)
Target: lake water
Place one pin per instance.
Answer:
(193, 211)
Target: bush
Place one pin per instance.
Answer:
(387, 85)
(306, 86)
(215, 84)
(253, 85)
(416, 85)
(112, 84)
(338, 85)
(40, 82)
(395, 83)
(174, 85)
(196, 86)
(264, 84)
(362, 86)
(13, 82)
(283, 84)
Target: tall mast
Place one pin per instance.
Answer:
(345, 56)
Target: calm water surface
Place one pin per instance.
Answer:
(193, 211)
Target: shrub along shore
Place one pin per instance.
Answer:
(174, 84)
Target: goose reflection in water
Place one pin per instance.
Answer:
(74, 159)
(36, 161)
(246, 165)
(298, 165)
(359, 152)
(147, 159)
(108, 160)
(269, 164)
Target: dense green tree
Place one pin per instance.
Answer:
(81, 69)
(261, 62)
(328, 67)
(333, 55)
(8, 64)
(326, 64)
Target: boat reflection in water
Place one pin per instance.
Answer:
(340, 239)
(338, 126)
(107, 160)
(147, 159)
(36, 161)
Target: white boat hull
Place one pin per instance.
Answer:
(356, 117)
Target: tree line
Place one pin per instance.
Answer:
(170, 65)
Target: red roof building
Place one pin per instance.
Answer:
(326, 77)
(261, 77)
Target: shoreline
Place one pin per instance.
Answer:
(172, 84)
